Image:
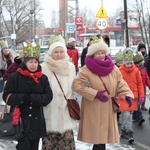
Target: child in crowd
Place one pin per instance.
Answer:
(133, 78)
(118, 59)
(118, 63)
(139, 62)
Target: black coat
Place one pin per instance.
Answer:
(83, 55)
(31, 112)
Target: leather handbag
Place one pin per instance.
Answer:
(9, 131)
(115, 102)
(73, 106)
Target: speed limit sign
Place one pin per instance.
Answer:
(101, 24)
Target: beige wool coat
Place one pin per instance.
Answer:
(98, 124)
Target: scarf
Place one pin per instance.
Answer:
(34, 76)
(100, 67)
(60, 67)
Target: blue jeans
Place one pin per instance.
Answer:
(1, 85)
(137, 114)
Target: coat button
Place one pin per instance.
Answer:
(30, 115)
(30, 107)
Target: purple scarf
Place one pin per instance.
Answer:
(100, 67)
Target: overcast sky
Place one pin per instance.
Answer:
(110, 6)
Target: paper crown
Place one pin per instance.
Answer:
(3, 43)
(127, 55)
(138, 57)
(118, 56)
(90, 41)
(54, 39)
(96, 40)
(31, 49)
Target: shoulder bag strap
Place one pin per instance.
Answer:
(114, 101)
(5, 107)
(104, 85)
(60, 86)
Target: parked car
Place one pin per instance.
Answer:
(44, 50)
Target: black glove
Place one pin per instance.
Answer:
(26, 99)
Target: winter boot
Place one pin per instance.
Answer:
(149, 111)
(130, 137)
(140, 121)
(124, 134)
(95, 147)
(99, 147)
(102, 147)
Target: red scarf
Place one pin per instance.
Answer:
(34, 76)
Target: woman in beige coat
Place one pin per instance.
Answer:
(98, 124)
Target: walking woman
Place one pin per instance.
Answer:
(98, 123)
(6, 59)
(59, 124)
(30, 91)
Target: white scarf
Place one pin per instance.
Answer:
(60, 67)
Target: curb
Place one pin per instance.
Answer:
(142, 146)
(136, 145)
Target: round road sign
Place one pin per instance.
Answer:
(101, 24)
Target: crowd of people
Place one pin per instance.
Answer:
(37, 90)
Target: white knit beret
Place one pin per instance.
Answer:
(56, 44)
(95, 47)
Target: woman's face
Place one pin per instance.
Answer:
(5, 51)
(100, 55)
(32, 65)
(58, 53)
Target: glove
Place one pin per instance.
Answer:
(141, 100)
(26, 99)
(101, 96)
(16, 115)
(129, 100)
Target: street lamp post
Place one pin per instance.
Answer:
(13, 40)
(35, 20)
(65, 19)
(126, 24)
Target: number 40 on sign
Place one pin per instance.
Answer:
(101, 24)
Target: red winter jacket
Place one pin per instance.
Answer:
(73, 53)
(12, 68)
(145, 77)
(134, 80)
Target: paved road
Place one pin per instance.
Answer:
(141, 136)
(123, 145)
